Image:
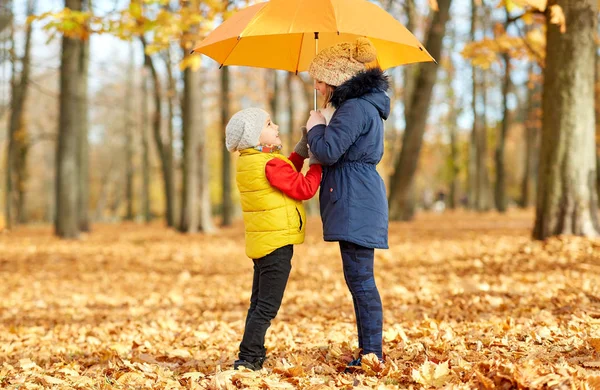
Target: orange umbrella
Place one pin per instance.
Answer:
(286, 34)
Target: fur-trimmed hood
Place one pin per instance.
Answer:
(370, 85)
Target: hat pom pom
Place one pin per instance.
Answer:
(365, 51)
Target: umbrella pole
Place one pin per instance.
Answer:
(316, 52)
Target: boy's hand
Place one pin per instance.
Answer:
(301, 147)
(316, 118)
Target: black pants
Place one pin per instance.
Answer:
(270, 278)
(358, 272)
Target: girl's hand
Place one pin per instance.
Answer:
(316, 118)
(327, 112)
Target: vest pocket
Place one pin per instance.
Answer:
(300, 219)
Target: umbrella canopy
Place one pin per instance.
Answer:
(281, 34)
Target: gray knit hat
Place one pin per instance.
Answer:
(244, 128)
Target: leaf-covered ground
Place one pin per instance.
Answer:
(470, 301)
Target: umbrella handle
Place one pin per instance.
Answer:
(316, 52)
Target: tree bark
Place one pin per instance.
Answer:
(567, 199)
(83, 196)
(273, 94)
(227, 205)
(500, 190)
(145, 150)
(484, 203)
(402, 181)
(191, 118)
(290, 95)
(129, 216)
(161, 147)
(67, 223)
(531, 143)
(411, 71)
(18, 139)
(168, 144)
(206, 220)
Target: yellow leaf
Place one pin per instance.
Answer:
(431, 374)
(135, 9)
(557, 16)
(538, 4)
(510, 5)
(527, 18)
(433, 4)
(192, 61)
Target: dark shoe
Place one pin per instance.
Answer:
(356, 364)
(353, 365)
(254, 366)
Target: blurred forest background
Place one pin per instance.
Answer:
(106, 117)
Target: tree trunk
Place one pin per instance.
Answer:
(83, 196)
(401, 184)
(22, 177)
(206, 221)
(226, 173)
(483, 180)
(191, 117)
(129, 137)
(161, 147)
(145, 149)
(273, 94)
(67, 222)
(500, 190)
(290, 95)
(18, 139)
(411, 71)
(168, 146)
(531, 130)
(567, 200)
(452, 123)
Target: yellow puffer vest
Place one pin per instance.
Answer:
(272, 219)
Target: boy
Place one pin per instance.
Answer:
(271, 193)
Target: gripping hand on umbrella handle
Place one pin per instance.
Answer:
(316, 118)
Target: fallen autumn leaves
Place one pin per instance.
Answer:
(469, 302)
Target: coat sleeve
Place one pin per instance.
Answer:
(297, 160)
(329, 143)
(294, 184)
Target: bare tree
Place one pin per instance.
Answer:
(401, 184)
(67, 222)
(227, 204)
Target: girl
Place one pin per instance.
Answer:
(353, 200)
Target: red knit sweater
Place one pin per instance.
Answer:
(292, 182)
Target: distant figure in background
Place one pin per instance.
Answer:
(271, 193)
(440, 202)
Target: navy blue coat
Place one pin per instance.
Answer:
(352, 198)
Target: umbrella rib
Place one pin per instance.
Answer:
(299, 52)
(239, 38)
